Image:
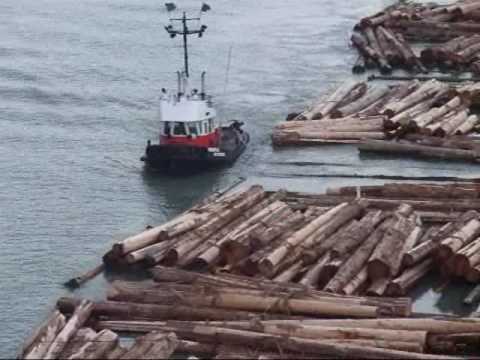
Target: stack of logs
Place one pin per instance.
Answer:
(227, 316)
(377, 242)
(356, 112)
(382, 40)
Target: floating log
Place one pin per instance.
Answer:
(82, 279)
(418, 150)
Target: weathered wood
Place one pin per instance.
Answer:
(102, 343)
(461, 261)
(256, 195)
(419, 253)
(383, 64)
(435, 113)
(156, 312)
(312, 276)
(378, 287)
(82, 337)
(163, 347)
(363, 102)
(147, 237)
(77, 320)
(386, 259)
(460, 238)
(323, 109)
(425, 91)
(359, 280)
(268, 264)
(269, 342)
(400, 285)
(351, 239)
(466, 126)
(116, 353)
(37, 345)
(353, 266)
(448, 127)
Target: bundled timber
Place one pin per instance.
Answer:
(447, 37)
(370, 113)
(367, 240)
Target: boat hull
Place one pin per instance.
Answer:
(191, 158)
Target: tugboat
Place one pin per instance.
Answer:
(190, 136)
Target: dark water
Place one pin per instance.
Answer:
(78, 87)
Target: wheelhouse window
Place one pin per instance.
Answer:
(192, 128)
(166, 128)
(179, 129)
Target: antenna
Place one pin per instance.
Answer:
(185, 31)
(227, 73)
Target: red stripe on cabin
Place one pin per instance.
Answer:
(210, 140)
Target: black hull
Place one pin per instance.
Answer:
(190, 158)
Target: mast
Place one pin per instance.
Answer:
(185, 31)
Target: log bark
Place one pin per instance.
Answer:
(461, 260)
(324, 108)
(354, 264)
(466, 126)
(362, 103)
(383, 64)
(358, 281)
(435, 114)
(163, 347)
(425, 91)
(269, 342)
(453, 123)
(102, 343)
(79, 317)
(156, 312)
(268, 264)
(378, 287)
(312, 276)
(457, 240)
(116, 353)
(354, 237)
(37, 345)
(400, 285)
(82, 337)
(386, 259)
(409, 58)
(147, 237)
(258, 303)
(256, 195)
